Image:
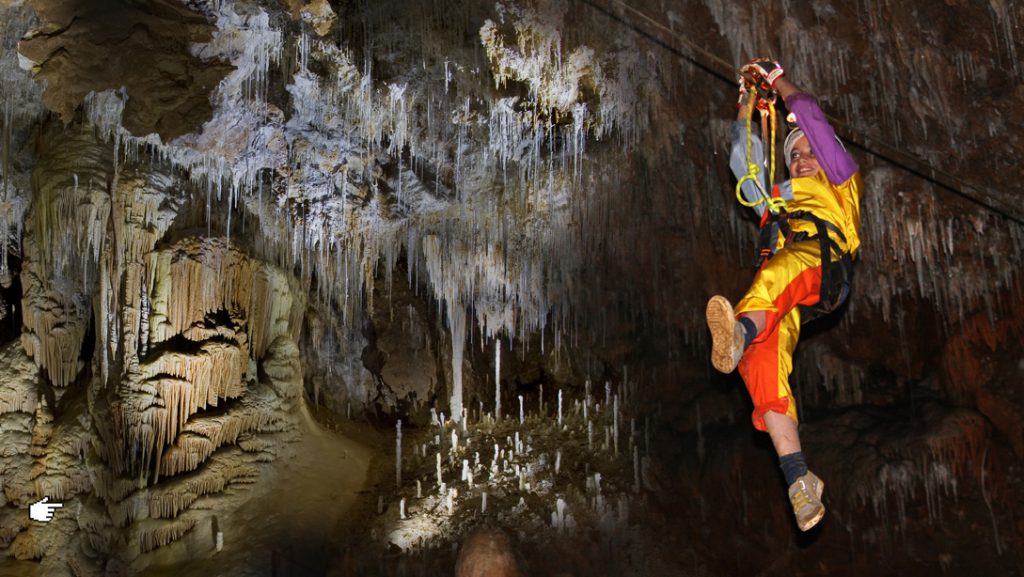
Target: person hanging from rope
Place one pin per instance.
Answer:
(809, 235)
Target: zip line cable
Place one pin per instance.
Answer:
(985, 196)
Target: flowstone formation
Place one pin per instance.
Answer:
(238, 234)
(195, 374)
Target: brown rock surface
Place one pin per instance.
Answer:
(487, 552)
(143, 47)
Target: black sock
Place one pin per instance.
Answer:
(749, 333)
(793, 466)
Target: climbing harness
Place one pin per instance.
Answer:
(835, 273)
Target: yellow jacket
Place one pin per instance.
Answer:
(839, 205)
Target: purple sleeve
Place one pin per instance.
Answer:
(834, 160)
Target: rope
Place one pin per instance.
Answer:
(752, 168)
(990, 198)
(775, 126)
(773, 204)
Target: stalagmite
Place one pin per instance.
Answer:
(398, 453)
(439, 469)
(457, 324)
(615, 425)
(636, 469)
(647, 436)
(497, 380)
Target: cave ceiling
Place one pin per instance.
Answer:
(519, 126)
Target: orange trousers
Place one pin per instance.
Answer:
(792, 277)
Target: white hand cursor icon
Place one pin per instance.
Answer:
(43, 511)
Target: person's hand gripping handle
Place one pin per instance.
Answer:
(761, 74)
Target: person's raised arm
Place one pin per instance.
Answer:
(738, 154)
(838, 165)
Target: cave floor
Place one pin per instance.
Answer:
(292, 518)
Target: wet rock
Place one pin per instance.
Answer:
(487, 552)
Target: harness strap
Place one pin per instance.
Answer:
(835, 274)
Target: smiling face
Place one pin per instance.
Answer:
(803, 162)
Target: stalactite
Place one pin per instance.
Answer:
(226, 466)
(184, 383)
(29, 545)
(819, 368)
(911, 250)
(61, 259)
(322, 159)
(20, 106)
(199, 439)
(931, 457)
(17, 389)
(63, 486)
(127, 511)
(164, 533)
(202, 277)
(15, 401)
(143, 320)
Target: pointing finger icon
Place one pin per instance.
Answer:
(42, 510)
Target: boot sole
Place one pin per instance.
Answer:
(722, 324)
(810, 523)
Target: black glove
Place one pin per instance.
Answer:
(761, 75)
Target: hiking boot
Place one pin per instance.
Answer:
(805, 495)
(726, 335)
